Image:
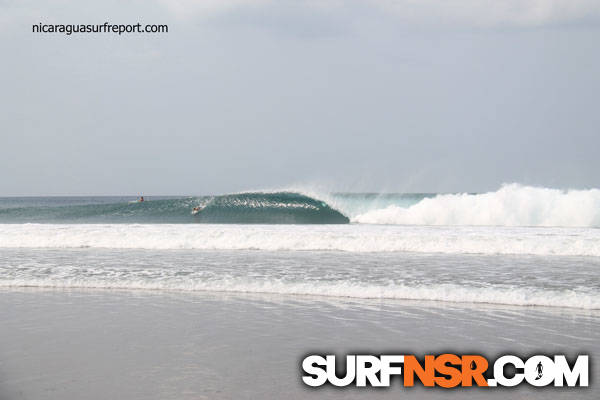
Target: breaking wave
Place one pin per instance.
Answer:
(511, 205)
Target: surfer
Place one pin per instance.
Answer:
(539, 370)
(196, 210)
(141, 199)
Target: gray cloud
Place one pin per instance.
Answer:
(268, 94)
(479, 13)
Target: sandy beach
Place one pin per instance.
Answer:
(99, 344)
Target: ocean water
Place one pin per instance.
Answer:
(519, 245)
(285, 272)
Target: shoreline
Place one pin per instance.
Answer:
(299, 296)
(73, 344)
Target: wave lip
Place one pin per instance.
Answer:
(511, 205)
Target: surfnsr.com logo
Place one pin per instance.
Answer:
(445, 370)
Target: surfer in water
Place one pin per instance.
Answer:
(141, 200)
(196, 209)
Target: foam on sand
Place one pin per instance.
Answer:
(438, 292)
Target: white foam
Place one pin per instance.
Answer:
(350, 238)
(511, 205)
(439, 292)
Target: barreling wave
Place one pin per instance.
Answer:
(511, 205)
(242, 208)
(268, 208)
(438, 292)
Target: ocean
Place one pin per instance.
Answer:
(515, 269)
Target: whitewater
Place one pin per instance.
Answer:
(519, 245)
(460, 278)
(511, 205)
(348, 238)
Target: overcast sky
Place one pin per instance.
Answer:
(434, 96)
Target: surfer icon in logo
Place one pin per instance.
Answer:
(539, 368)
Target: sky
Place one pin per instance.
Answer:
(358, 95)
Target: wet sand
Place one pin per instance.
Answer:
(103, 344)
